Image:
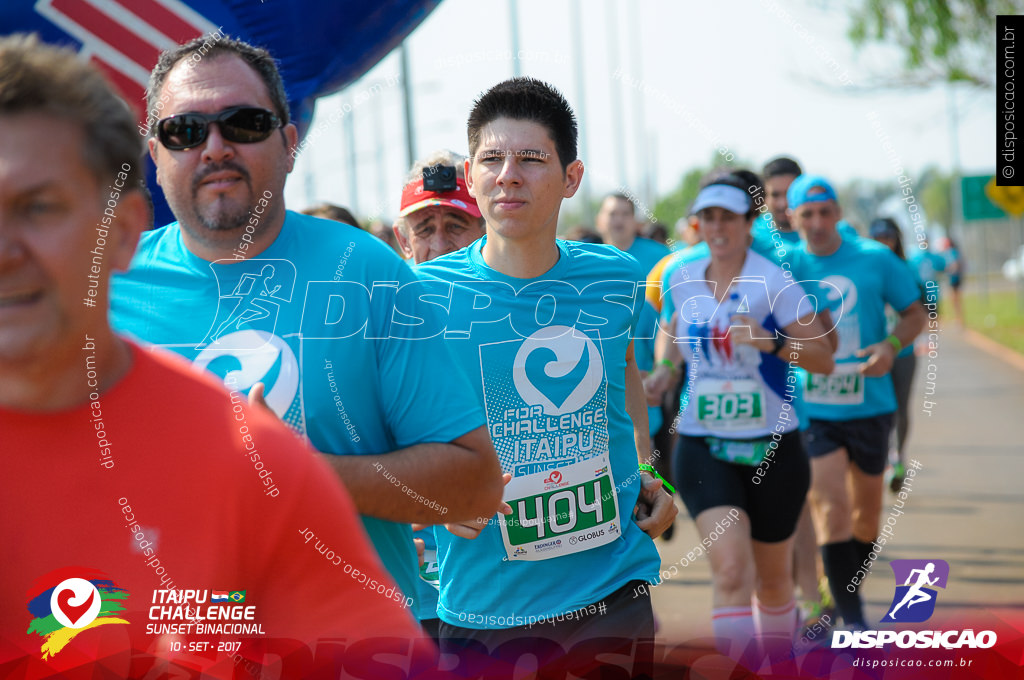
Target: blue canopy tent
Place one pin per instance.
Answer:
(321, 45)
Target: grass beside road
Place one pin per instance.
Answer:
(1000, 318)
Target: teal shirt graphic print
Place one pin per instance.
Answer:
(854, 283)
(545, 398)
(550, 354)
(310, 317)
(554, 418)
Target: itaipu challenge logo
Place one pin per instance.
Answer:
(67, 601)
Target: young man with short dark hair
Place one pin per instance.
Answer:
(546, 324)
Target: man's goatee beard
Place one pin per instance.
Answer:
(223, 222)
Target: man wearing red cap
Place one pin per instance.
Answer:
(438, 214)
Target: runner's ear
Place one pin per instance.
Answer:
(131, 219)
(469, 178)
(573, 178)
(291, 142)
(403, 242)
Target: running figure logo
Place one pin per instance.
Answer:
(251, 304)
(254, 301)
(914, 601)
(241, 345)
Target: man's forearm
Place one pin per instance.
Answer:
(911, 323)
(429, 483)
(636, 407)
(831, 335)
(813, 355)
(664, 343)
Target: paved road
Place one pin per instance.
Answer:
(966, 506)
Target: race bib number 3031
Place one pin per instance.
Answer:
(562, 511)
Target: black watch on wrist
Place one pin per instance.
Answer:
(780, 342)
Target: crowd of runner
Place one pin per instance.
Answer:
(508, 413)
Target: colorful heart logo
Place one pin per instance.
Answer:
(71, 600)
(75, 603)
(74, 612)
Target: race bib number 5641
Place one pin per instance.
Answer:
(843, 387)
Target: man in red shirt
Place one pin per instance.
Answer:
(150, 520)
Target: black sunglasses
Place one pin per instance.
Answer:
(241, 124)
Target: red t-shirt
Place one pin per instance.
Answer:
(180, 505)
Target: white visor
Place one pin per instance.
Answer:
(722, 196)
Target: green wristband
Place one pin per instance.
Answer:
(895, 342)
(668, 362)
(654, 473)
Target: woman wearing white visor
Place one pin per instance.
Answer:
(742, 472)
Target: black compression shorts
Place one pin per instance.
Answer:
(866, 440)
(773, 503)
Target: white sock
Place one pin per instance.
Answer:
(775, 621)
(733, 628)
(775, 627)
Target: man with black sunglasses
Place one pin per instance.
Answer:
(243, 124)
(304, 320)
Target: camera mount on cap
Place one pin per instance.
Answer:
(439, 178)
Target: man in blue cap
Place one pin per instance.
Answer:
(851, 409)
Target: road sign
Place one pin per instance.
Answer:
(977, 202)
(1010, 199)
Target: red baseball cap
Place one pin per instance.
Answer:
(415, 198)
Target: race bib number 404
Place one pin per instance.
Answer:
(561, 512)
(429, 569)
